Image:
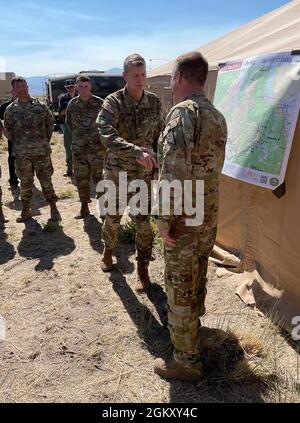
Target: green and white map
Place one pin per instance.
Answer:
(260, 99)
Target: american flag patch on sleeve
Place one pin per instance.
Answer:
(108, 107)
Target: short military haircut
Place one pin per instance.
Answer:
(17, 79)
(83, 78)
(133, 60)
(193, 67)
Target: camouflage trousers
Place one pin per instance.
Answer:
(185, 283)
(0, 188)
(41, 166)
(144, 234)
(68, 147)
(87, 166)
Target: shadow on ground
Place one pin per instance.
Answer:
(38, 201)
(93, 229)
(7, 250)
(44, 243)
(154, 336)
(227, 374)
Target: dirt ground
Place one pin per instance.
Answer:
(75, 334)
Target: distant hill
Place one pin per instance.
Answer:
(114, 70)
(37, 83)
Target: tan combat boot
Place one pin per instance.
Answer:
(84, 211)
(106, 262)
(143, 275)
(174, 370)
(54, 213)
(25, 213)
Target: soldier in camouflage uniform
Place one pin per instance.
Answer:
(29, 126)
(88, 151)
(2, 218)
(129, 124)
(63, 102)
(191, 148)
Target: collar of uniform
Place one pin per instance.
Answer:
(193, 95)
(32, 101)
(132, 102)
(85, 102)
(8, 102)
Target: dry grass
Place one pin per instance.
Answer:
(3, 145)
(56, 140)
(78, 335)
(12, 237)
(67, 193)
(127, 235)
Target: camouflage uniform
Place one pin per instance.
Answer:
(125, 126)
(63, 102)
(0, 188)
(29, 126)
(88, 151)
(1, 132)
(192, 147)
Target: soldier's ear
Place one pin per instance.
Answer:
(178, 76)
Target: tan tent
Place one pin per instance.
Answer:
(254, 225)
(5, 85)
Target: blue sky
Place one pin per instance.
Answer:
(46, 37)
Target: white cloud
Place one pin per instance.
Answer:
(66, 13)
(102, 52)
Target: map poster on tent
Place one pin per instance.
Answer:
(260, 99)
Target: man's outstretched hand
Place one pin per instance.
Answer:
(147, 160)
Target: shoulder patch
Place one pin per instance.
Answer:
(39, 105)
(108, 107)
(169, 138)
(168, 134)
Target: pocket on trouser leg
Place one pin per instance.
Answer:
(81, 168)
(110, 230)
(184, 326)
(44, 168)
(96, 166)
(144, 238)
(24, 168)
(184, 334)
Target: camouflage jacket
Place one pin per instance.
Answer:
(81, 119)
(125, 125)
(1, 129)
(29, 126)
(192, 148)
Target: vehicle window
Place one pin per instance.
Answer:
(105, 85)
